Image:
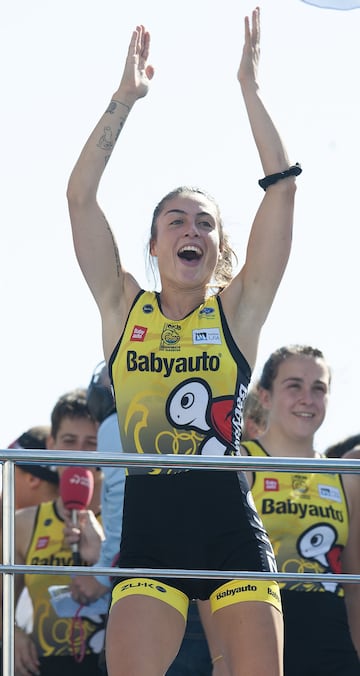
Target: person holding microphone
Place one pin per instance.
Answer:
(59, 645)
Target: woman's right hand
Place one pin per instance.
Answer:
(249, 64)
(137, 72)
(88, 534)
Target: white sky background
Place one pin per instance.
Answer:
(61, 62)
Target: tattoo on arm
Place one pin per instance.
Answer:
(107, 142)
(116, 250)
(114, 104)
(121, 124)
(106, 139)
(111, 107)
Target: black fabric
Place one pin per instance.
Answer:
(317, 636)
(191, 520)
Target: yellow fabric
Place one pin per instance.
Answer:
(154, 358)
(246, 590)
(155, 589)
(306, 518)
(51, 633)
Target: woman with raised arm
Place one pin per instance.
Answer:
(180, 362)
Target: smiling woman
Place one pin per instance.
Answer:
(312, 519)
(203, 216)
(203, 327)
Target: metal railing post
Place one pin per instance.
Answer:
(117, 459)
(8, 613)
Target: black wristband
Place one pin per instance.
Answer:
(295, 170)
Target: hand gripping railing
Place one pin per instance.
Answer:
(97, 459)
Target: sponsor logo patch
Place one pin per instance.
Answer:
(147, 309)
(271, 485)
(299, 483)
(170, 337)
(206, 336)
(138, 333)
(207, 312)
(329, 493)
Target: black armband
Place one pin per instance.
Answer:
(295, 170)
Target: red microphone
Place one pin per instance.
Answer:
(76, 491)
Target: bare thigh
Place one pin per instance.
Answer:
(143, 636)
(250, 635)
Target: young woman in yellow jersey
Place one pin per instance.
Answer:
(180, 362)
(313, 520)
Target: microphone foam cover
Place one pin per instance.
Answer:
(76, 487)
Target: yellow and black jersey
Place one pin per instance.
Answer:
(180, 386)
(53, 635)
(306, 517)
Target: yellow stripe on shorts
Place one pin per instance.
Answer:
(246, 590)
(157, 590)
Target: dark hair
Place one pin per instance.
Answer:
(71, 405)
(341, 447)
(271, 366)
(223, 272)
(99, 395)
(47, 473)
(35, 438)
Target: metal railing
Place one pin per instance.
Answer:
(8, 458)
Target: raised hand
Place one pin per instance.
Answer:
(137, 72)
(251, 52)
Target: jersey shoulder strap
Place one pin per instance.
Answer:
(253, 447)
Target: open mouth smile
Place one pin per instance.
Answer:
(190, 252)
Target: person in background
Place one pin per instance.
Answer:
(193, 342)
(313, 519)
(34, 483)
(58, 645)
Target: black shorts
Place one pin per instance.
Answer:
(317, 636)
(197, 519)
